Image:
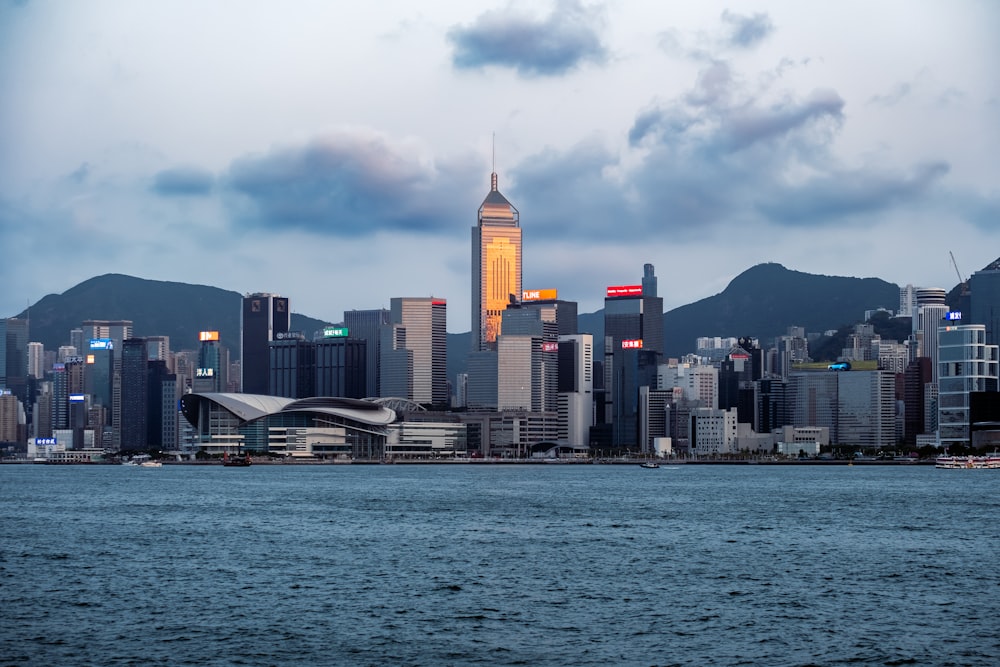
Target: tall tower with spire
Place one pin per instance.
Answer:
(496, 265)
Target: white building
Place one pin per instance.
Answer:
(36, 360)
(907, 301)
(928, 316)
(713, 431)
(793, 440)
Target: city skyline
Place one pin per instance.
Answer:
(703, 140)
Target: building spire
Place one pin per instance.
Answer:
(493, 174)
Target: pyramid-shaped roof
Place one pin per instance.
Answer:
(495, 209)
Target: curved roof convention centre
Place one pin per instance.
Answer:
(251, 407)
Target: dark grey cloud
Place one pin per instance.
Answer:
(715, 156)
(347, 186)
(746, 31)
(183, 181)
(567, 195)
(551, 46)
(747, 126)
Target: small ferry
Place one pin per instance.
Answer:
(990, 462)
(649, 464)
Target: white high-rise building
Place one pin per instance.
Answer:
(576, 389)
(36, 360)
(907, 301)
(928, 316)
(713, 431)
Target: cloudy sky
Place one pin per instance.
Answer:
(337, 152)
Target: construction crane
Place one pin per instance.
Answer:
(961, 281)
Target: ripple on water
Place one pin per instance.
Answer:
(497, 565)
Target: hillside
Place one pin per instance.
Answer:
(156, 308)
(766, 299)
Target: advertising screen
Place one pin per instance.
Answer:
(624, 290)
(539, 295)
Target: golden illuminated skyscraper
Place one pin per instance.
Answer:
(496, 266)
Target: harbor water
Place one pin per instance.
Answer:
(499, 565)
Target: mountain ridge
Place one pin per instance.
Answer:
(762, 301)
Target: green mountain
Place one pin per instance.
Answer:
(156, 308)
(766, 299)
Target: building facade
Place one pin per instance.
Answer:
(414, 351)
(967, 364)
(575, 388)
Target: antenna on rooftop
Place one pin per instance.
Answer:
(493, 175)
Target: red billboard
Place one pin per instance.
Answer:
(632, 344)
(550, 347)
(624, 290)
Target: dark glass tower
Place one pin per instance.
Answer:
(367, 325)
(263, 317)
(985, 301)
(134, 394)
(291, 367)
(633, 320)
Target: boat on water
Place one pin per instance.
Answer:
(236, 461)
(649, 464)
(990, 462)
(142, 461)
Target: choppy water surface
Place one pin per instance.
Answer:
(498, 565)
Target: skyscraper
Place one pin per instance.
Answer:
(496, 266)
(967, 365)
(209, 373)
(985, 301)
(367, 325)
(633, 344)
(414, 350)
(576, 388)
(13, 351)
(928, 316)
(134, 394)
(262, 318)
